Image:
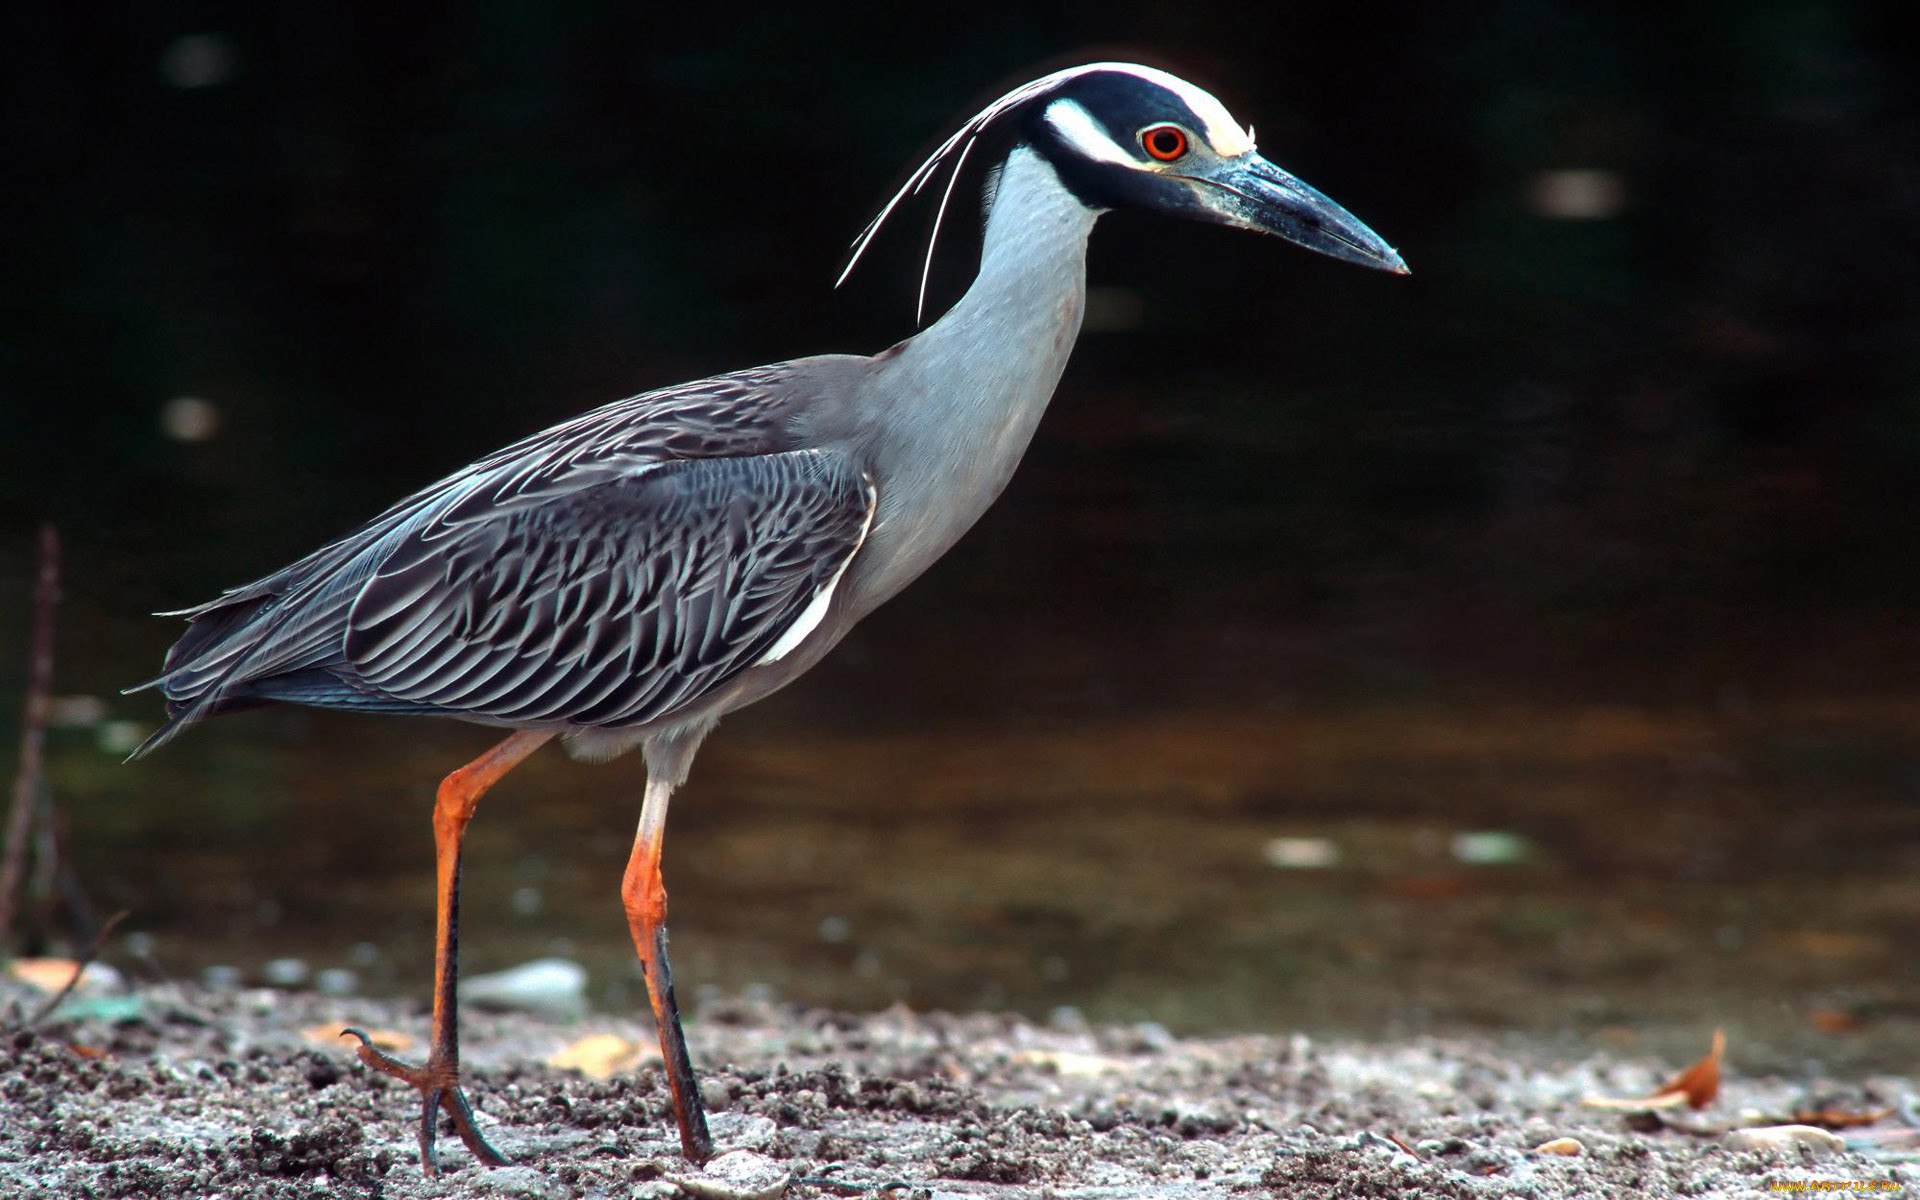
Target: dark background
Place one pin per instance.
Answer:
(1662, 458)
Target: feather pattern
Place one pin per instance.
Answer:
(607, 571)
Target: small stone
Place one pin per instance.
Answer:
(745, 1131)
(1777, 1138)
(1561, 1145)
(715, 1094)
(1301, 853)
(554, 987)
(285, 972)
(515, 1183)
(737, 1175)
(1067, 1019)
(337, 981)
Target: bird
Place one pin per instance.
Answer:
(624, 579)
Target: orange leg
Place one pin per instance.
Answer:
(645, 898)
(439, 1077)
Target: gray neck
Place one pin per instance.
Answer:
(947, 414)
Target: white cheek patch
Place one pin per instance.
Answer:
(1077, 126)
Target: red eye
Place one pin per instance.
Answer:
(1164, 142)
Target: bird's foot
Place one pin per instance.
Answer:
(438, 1081)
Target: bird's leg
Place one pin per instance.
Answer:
(645, 898)
(439, 1077)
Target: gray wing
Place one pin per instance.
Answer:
(615, 605)
(282, 637)
(726, 416)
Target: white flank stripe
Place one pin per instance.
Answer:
(816, 610)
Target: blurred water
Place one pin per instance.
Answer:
(1039, 831)
(1594, 538)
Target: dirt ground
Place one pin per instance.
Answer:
(182, 1091)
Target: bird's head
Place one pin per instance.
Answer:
(1126, 136)
(1123, 136)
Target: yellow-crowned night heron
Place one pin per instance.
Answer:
(626, 578)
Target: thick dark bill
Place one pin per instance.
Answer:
(1252, 193)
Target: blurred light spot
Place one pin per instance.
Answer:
(1114, 310)
(75, 712)
(1301, 853)
(867, 966)
(189, 419)
(1490, 847)
(834, 930)
(336, 981)
(1068, 1019)
(199, 60)
(526, 900)
(1577, 194)
(285, 972)
(139, 944)
(1053, 969)
(119, 737)
(221, 978)
(363, 954)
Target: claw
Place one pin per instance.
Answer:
(437, 1081)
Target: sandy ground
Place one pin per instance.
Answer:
(182, 1091)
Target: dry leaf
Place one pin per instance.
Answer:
(603, 1055)
(330, 1034)
(52, 974)
(1700, 1083)
(1072, 1062)
(1694, 1087)
(1561, 1145)
(1838, 1118)
(1636, 1104)
(1833, 1020)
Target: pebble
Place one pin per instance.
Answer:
(1561, 1145)
(1489, 847)
(1784, 1137)
(554, 987)
(1301, 853)
(285, 972)
(744, 1131)
(515, 1183)
(337, 981)
(222, 977)
(737, 1175)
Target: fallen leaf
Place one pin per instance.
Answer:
(1561, 1145)
(602, 1055)
(52, 974)
(1694, 1087)
(1829, 944)
(1637, 1104)
(1833, 1020)
(1072, 1062)
(1839, 1118)
(1700, 1083)
(330, 1035)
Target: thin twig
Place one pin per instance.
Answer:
(33, 730)
(79, 969)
